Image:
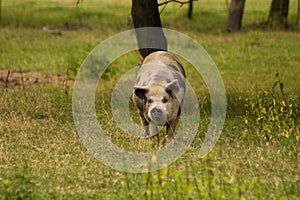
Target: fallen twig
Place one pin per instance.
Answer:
(22, 78)
(6, 80)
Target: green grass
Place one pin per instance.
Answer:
(41, 156)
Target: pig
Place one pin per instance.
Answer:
(159, 92)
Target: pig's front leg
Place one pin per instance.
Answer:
(145, 124)
(153, 129)
(171, 129)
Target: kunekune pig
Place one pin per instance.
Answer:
(158, 93)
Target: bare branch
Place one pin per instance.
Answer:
(176, 1)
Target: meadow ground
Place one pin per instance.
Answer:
(41, 156)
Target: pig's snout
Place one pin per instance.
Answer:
(156, 113)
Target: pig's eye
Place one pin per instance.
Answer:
(149, 100)
(164, 100)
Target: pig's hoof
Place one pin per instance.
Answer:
(145, 134)
(168, 138)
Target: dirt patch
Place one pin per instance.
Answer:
(13, 79)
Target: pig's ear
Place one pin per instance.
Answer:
(173, 87)
(140, 91)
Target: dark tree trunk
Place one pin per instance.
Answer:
(190, 11)
(235, 15)
(145, 14)
(279, 12)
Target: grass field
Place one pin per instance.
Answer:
(41, 156)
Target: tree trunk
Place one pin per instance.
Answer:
(235, 15)
(0, 10)
(145, 14)
(190, 11)
(298, 13)
(279, 12)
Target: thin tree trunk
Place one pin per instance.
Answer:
(279, 12)
(298, 13)
(190, 11)
(145, 14)
(235, 15)
(0, 10)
